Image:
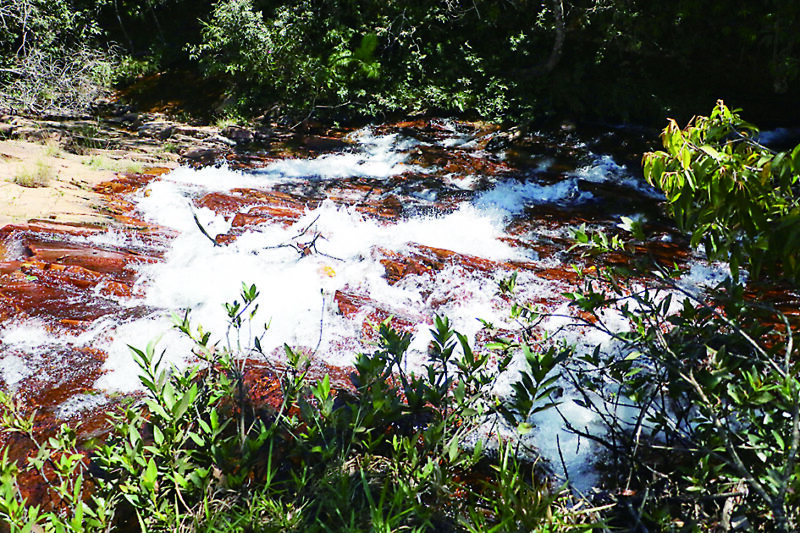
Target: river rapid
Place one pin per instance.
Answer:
(338, 232)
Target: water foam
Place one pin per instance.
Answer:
(298, 293)
(512, 196)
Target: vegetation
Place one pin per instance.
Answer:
(736, 197)
(388, 453)
(699, 398)
(699, 395)
(338, 59)
(49, 61)
(39, 176)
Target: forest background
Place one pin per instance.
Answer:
(512, 60)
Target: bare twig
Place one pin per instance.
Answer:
(203, 230)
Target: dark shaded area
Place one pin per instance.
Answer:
(512, 60)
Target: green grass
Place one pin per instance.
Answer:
(40, 175)
(101, 162)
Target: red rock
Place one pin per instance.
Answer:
(320, 143)
(350, 304)
(126, 183)
(245, 219)
(50, 227)
(97, 260)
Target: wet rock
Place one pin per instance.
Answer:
(7, 131)
(193, 132)
(156, 130)
(351, 304)
(427, 260)
(202, 154)
(319, 143)
(30, 133)
(130, 120)
(232, 202)
(224, 141)
(238, 134)
(53, 228)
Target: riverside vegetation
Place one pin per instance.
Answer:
(711, 379)
(511, 60)
(387, 454)
(699, 399)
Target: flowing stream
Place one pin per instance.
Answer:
(408, 220)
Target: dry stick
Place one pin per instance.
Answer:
(637, 515)
(321, 323)
(561, 456)
(202, 229)
(307, 227)
(603, 442)
(364, 199)
(792, 383)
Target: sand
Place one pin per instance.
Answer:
(64, 182)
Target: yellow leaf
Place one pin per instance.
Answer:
(325, 270)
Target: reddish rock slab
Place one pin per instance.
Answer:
(114, 263)
(56, 275)
(459, 162)
(238, 200)
(53, 228)
(127, 183)
(429, 260)
(32, 296)
(351, 304)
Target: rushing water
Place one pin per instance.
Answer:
(393, 196)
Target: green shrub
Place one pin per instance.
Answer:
(738, 198)
(385, 454)
(699, 399)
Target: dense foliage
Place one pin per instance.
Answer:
(738, 198)
(48, 57)
(519, 58)
(385, 454)
(698, 395)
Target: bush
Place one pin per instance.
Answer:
(49, 61)
(366, 56)
(386, 454)
(735, 196)
(699, 399)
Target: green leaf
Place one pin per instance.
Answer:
(710, 151)
(149, 475)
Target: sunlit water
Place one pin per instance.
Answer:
(297, 293)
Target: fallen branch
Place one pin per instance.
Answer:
(203, 230)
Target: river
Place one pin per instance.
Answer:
(338, 232)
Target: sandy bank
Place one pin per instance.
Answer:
(43, 181)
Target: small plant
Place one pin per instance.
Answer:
(131, 167)
(128, 69)
(40, 176)
(171, 147)
(385, 453)
(52, 148)
(227, 120)
(99, 162)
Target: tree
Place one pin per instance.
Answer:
(738, 198)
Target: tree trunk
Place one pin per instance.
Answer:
(558, 46)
